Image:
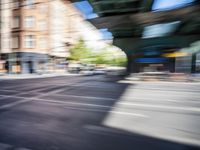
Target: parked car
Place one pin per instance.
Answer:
(74, 68)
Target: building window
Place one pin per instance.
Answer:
(29, 4)
(29, 21)
(15, 22)
(29, 41)
(15, 42)
(42, 25)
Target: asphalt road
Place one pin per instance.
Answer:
(98, 113)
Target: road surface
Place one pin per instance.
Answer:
(98, 113)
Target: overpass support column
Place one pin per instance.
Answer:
(129, 64)
(193, 68)
(171, 65)
(132, 66)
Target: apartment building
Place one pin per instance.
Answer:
(36, 34)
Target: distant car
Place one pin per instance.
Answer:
(99, 71)
(74, 68)
(87, 72)
(87, 69)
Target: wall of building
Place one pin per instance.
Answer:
(41, 28)
(5, 25)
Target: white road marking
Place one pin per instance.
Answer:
(86, 97)
(100, 98)
(55, 93)
(158, 82)
(37, 90)
(134, 99)
(15, 87)
(71, 103)
(196, 109)
(12, 86)
(167, 90)
(114, 112)
(136, 104)
(14, 104)
(9, 90)
(31, 91)
(129, 114)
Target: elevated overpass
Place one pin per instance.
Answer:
(143, 31)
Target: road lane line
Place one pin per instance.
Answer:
(28, 92)
(109, 111)
(137, 105)
(129, 114)
(92, 97)
(161, 106)
(46, 94)
(14, 104)
(87, 97)
(167, 90)
(128, 98)
(194, 109)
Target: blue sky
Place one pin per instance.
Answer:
(169, 4)
(159, 5)
(86, 9)
(88, 13)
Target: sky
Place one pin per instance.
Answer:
(86, 9)
(88, 13)
(169, 4)
(159, 5)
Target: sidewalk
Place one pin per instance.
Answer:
(171, 77)
(33, 76)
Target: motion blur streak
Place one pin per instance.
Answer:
(99, 74)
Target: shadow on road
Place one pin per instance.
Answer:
(47, 125)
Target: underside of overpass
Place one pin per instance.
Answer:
(151, 35)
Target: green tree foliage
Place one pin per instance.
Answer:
(110, 58)
(81, 53)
